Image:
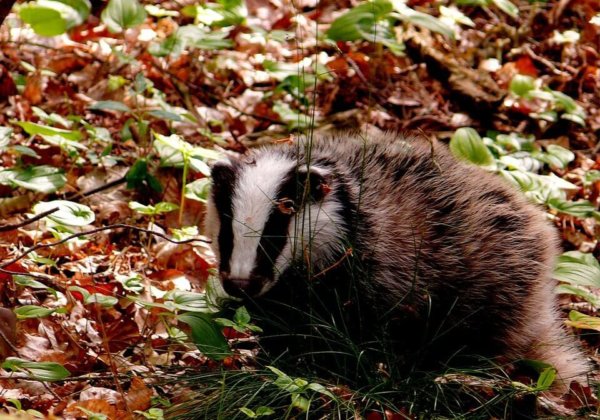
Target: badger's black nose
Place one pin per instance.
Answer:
(241, 287)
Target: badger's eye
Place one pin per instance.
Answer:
(286, 206)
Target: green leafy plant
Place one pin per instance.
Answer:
(241, 321)
(91, 298)
(40, 371)
(44, 179)
(174, 151)
(550, 104)
(191, 36)
(206, 334)
(299, 389)
(221, 13)
(373, 21)
(33, 311)
(467, 145)
(68, 213)
(578, 272)
(123, 14)
(25, 281)
(506, 6)
(54, 17)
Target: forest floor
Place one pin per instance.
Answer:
(109, 111)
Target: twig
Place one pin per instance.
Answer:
(91, 232)
(77, 195)
(35, 218)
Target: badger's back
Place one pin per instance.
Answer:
(450, 258)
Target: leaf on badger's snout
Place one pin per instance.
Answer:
(206, 335)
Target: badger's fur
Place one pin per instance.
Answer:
(449, 256)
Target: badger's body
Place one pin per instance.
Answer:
(449, 258)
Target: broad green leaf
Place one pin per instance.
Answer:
(578, 291)
(264, 411)
(565, 102)
(294, 119)
(581, 208)
(320, 389)
(109, 106)
(139, 177)
(82, 7)
(91, 298)
(368, 21)
(174, 151)
(68, 13)
(507, 7)
(33, 311)
(148, 210)
(122, 14)
(198, 190)
(5, 134)
(556, 156)
(159, 12)
(578, 268)
(165, 207)
(359, 20)
(151, 210)
(41, 371)
(241, 317)
(69, 213)
(25, 281)
(300, 402)
(522, 161)
(44, 179)
(131, 282)
(455, 16)
(521, 85)
(576, 118)
(582, 321)
(526, 181)
(467, 145)
(249, 413)
(591, 176)
(188, 301)
(424, 20)
(546, 379)
(206, 335)
(185, 233)
(191, 36)
(34, 129)
(164, 115)
(68, 146)
(44, 21)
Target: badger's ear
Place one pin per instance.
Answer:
(316, 182)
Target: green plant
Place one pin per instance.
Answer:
(54, 17)
(549, 105)
(506, 6)
(39, 371)
(373, 21)
(174, 151)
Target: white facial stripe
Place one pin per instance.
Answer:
(318, 226)
(257, 187)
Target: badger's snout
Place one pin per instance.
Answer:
(242, 287)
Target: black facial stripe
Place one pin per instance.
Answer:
(275, 232)
(224, 177)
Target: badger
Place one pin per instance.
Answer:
(438, 255)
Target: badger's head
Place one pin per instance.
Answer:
(267, 212)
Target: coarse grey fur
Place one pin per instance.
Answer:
(444, 245)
